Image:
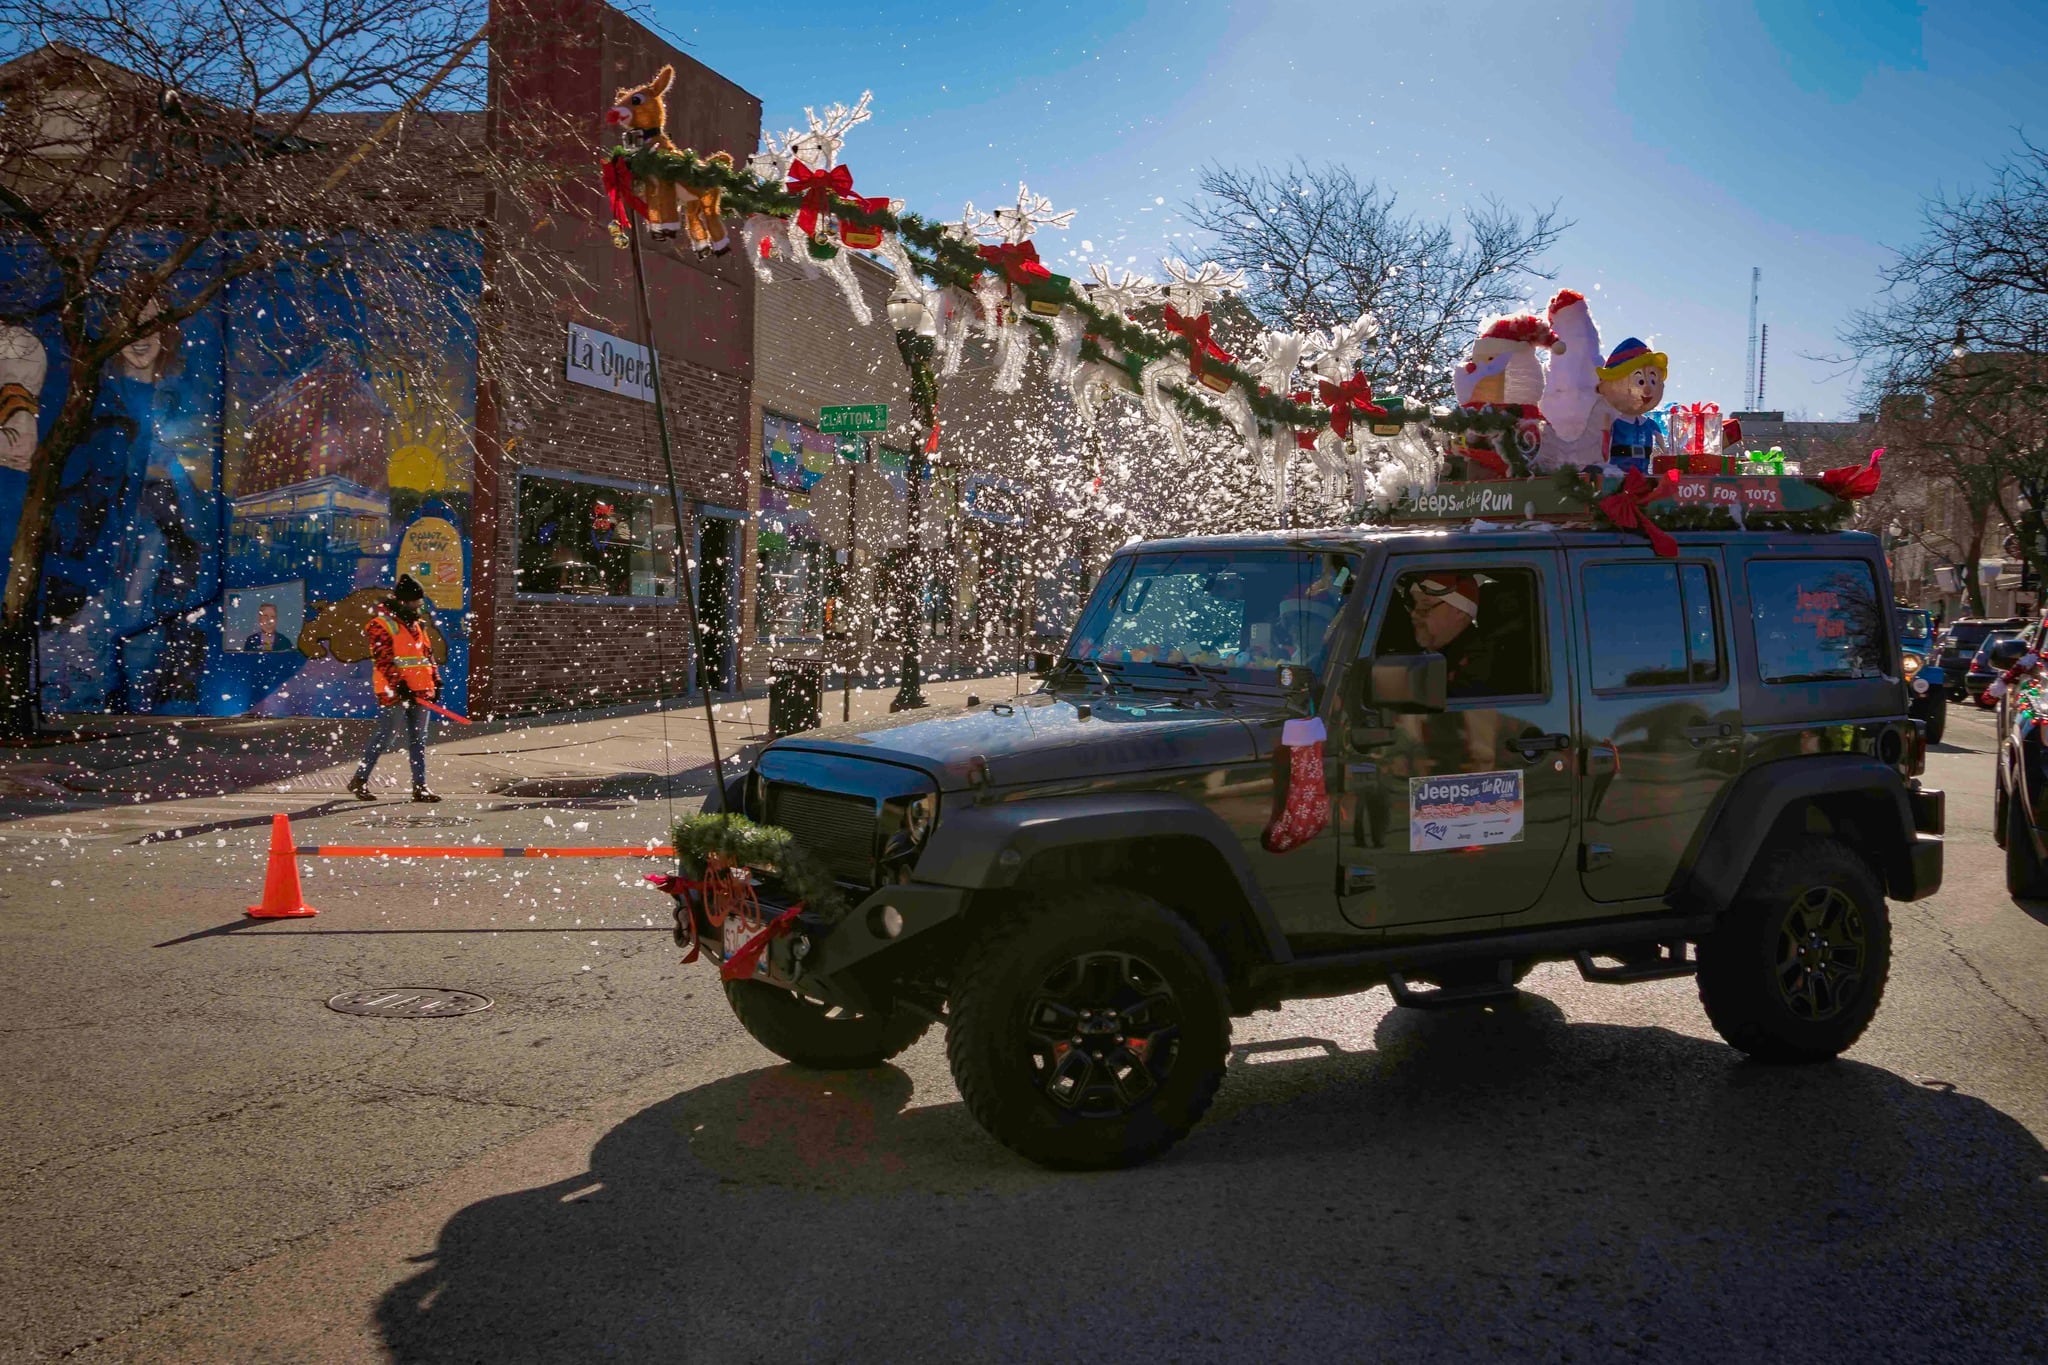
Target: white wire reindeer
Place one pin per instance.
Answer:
(1000, 307)
(1190, 290)
(1334, 356)
(1278, 357)
(818, 148)
(1090, 381)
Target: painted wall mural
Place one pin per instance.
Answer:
(254, 478)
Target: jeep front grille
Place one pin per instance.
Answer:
(836, 829)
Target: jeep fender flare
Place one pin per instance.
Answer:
(987, 847)
(1752, 805)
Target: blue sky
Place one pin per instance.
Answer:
(1688, 141)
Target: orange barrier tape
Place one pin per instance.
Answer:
(460, 851)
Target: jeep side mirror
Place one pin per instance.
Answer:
(1409, 682)
(1041, 663)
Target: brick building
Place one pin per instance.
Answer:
(575, 593)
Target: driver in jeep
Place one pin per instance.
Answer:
(1443, 608)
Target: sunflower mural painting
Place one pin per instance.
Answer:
(250, 474)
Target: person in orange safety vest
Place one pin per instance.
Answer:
(403, 675)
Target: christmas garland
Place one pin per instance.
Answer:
(947, 260)
(1595, 496)
(765, 848)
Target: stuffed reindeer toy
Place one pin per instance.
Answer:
(641, 117)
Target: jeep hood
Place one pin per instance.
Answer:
(1041, 738)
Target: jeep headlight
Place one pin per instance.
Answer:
(919, 817)
(1910, 665)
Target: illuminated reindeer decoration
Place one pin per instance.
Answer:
(817, 152)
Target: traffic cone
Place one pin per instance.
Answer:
(282, 898)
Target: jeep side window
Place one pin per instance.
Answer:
(1486, 624)
(1652, 625)
(1817, 620)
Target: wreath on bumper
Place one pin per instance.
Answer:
(768, 849)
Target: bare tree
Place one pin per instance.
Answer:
(155, 152)
(1320, 246)
(1955, 352)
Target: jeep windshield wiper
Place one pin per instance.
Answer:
(1209, 676)
(1076, 664)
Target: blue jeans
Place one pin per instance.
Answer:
(415, 719)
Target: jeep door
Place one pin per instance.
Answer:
(1462, 814)
(1660, 712)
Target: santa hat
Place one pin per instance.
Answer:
(1631, 356)
(1526, 328)
(1460, 590)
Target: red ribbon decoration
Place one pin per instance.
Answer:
(1852, 481)
(817, 189)
(1304, 438)
(1201, 346)
(1487, 458)
(1352, 398)
(1018, 261)
(1624, 509)
(618, 192)
(1695, 417)
(742, 964)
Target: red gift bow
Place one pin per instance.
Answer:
(1487, 458)
(1853, 481)
(618, 192)
(1624, 509)
(1018, 261)
(1200, 345)
(817, 189)
(1352, 398)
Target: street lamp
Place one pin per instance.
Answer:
(917, 342)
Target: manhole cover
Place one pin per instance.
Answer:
(409, 1002)
(414, 821)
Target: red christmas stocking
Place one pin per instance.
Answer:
(1301, 800)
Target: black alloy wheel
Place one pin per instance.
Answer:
(1822, 949)
(1103, 1032)
(1088, 1027)
(1796, 967)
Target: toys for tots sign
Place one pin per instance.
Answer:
(610, 363)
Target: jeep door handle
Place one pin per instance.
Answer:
(1700, 734)
(1531, 745)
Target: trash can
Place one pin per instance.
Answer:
(796, 695)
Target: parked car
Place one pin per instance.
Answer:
(1652, 768)
(1960, 641)
(1928, 703)
(1999, 651)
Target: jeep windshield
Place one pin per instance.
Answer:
(1237, 616)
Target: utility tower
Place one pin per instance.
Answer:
(1763, 351)
(1751, 389)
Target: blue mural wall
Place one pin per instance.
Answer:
(253, 479)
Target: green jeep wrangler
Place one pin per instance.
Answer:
(1307, 764)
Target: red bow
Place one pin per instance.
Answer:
(1624, 509)
(618, 192)
(817, 189)
(1352, 398)
(1018, 261)
(1852, 481)
(1304, 438)
(1487, 458)
(1200, 345)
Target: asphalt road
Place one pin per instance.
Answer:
(204, 1163)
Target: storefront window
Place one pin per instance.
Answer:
(582, 538)
(792, 564)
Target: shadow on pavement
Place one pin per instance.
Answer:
(1482, 1183)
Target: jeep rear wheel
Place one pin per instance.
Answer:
(2025, 878)
(1796, 967)
(813, 1034)
(1089, 1029)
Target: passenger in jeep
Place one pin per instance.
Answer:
(1442, 610)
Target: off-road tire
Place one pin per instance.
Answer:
(990, 1046)
(1999, 801)
(2025, 877)
(1936, 721)
(1742, 963)
(805, 1032)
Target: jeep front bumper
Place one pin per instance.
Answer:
(1930, 819)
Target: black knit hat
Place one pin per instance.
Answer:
(408, 590)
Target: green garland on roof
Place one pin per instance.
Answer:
(765, 848)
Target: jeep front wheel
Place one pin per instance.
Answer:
(2025, 878)
(1089, 1029)
(1796, 967)
(813, 1034)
